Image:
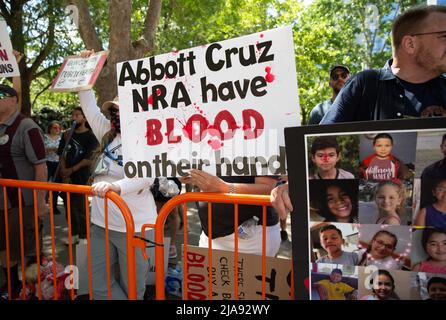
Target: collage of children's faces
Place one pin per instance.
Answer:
(377, 211)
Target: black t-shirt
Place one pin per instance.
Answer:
(420, 95)
(223, 214)
(80, 147)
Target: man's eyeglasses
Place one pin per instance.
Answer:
(336, 76)
(426, 33)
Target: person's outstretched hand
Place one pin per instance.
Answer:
(205, 181)
(281, 201)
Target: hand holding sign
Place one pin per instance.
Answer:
(79, 72)
(8, 65)
(205, 181)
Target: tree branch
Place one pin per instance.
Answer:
(87, 29)
(40, 92)
(147, 42)
(49, 44)
(5, 12)
(42, 72)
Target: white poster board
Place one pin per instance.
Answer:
(78, 73)
(220, 107)
(8, 63)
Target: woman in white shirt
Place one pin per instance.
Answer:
(135, 192)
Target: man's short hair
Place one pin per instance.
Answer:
(443, 139)
(412, 21)
(78, 109)
(321, 143)
(330, 227)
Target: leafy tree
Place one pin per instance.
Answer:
(35, 26)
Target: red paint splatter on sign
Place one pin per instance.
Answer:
(270, 77)
(215, 144)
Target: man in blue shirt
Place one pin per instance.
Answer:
(412, 84)
(339, 74)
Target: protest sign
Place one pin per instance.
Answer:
(8, 63)
(374, 208)
(249, 276)
(219, 107)
(78, 73)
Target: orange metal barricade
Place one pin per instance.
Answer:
(236, 199)
(132, 242)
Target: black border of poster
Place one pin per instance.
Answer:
(297, 177)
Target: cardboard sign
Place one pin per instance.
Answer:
(219, 107)
(249, 276)
(8, 63)
(379, 205)
(78, 73)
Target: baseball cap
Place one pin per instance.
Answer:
(8, 90)
(339, 66)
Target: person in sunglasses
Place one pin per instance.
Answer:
(22, 157)
(339, 74)
(412, 84)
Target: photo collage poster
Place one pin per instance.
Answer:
(376, 212)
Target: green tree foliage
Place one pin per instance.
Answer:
(325, 32)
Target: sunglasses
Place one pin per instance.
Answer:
(113, 111)
(342, 75)
(4, 95)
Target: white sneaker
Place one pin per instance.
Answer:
(74, 240)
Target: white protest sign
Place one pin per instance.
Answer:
(220, 107)
(8, 63)
(78, 73)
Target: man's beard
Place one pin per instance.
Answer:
(427, 61)
(77, 125)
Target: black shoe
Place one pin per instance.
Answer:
(284, 235)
